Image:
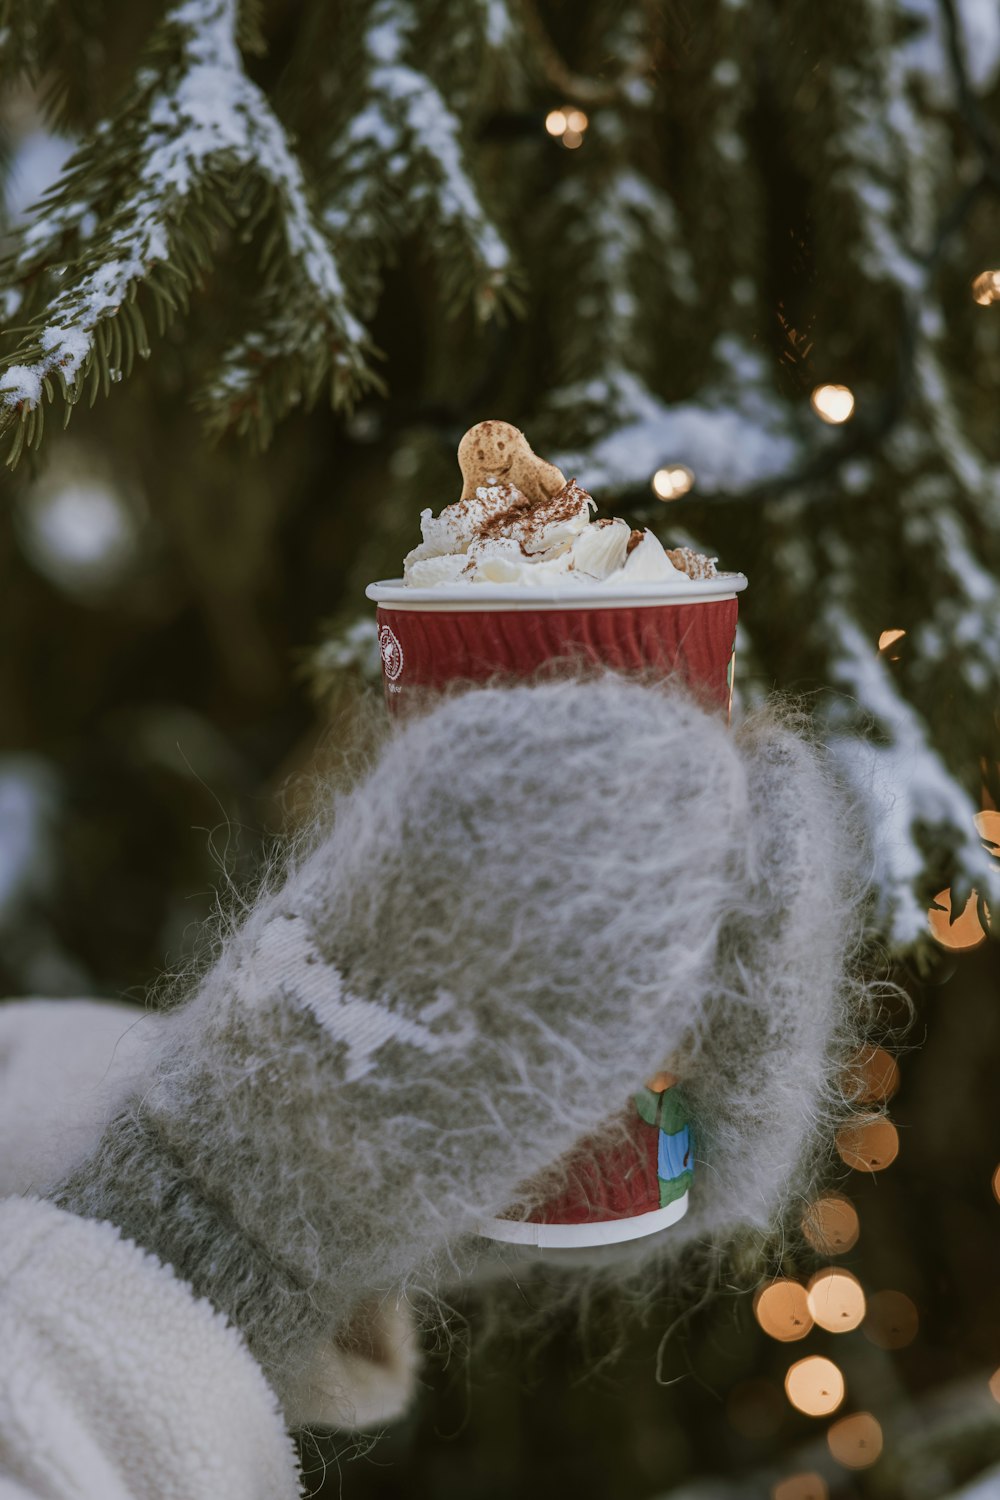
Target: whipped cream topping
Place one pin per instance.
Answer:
(497, 535)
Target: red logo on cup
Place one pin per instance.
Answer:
(392, 652)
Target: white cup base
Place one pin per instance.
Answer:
(570, 1236)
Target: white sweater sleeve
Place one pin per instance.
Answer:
(115, 1384)
(65, 1066)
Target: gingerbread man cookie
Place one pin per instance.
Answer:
(497, 453)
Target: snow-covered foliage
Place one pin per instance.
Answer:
(196, 148)
(904, 783)
(401, 156)
(735, 222)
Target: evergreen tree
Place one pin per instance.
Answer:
(646, 233)
(291, 250)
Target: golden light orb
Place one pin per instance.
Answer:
(834, 403)
(873, 1077)
(995, 1386)
(988, 828)
(831, 1225)
(836, 1301)
(577, 120)
(782, 1310)
(889, 638)
(556, 122)
(855, 1441)
(868, 1146)
(986, 288)
(996, 1184)
(815, 1386)
(571, 139)
(672, 482)
(801, 1487)
(891, 1321)
(962, 934)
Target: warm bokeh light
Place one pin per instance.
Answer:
(965, 932)
(834, 403)
(889, 638)
(988, 828)
(868, 1146)
(873, 1077)
(815, 1386)
(754, 1408)
(986, 288)
(782, 1310)
(571, 139)
(836, 1301)
(831, 1225)
(576, 120)
(801, 1487)
(996, 1184)
(995, 1386)
(672, 482)
(891, 1321)
(855, 1441)
(556, 122)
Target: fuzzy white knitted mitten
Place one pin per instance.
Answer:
(505, 928)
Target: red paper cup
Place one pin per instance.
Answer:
(634, 1183)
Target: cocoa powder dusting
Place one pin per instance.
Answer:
(694, 564)
(527, 516)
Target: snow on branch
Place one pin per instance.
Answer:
(400, 160)
(904, 785)
(497, 23)
(607, 230)
(193, 123)
(734, 436)
(886, 156)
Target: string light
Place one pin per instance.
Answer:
(801, 1487)
(889, 638)
(996, 1184)
(671, 483)
(891, 1321)
(834, 403)
(855, 1441)
(831, 1225)
(986, 288)
(868, 1146)
(567, 125)
(815, 1386)
(836, 1301)
(966, 931)
(995, 1386)
(782, 1310)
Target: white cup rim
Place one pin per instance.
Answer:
(395, 593)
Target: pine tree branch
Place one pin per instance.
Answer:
(985, 138)
(399, 167)
(905, 783)
(569, 85)
(195, 147)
